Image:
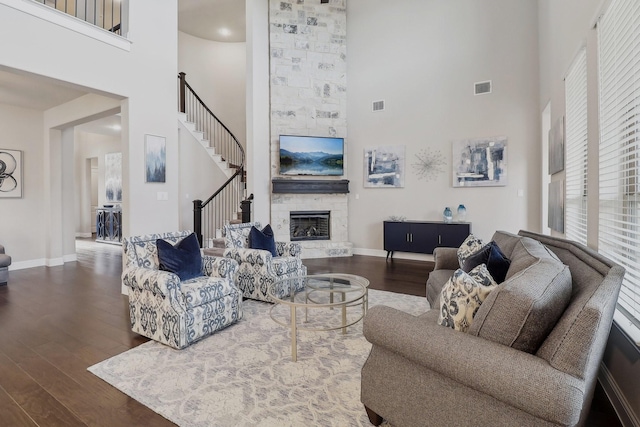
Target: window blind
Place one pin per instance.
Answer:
(576, 150)
(619, 216)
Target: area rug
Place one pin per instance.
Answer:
(244, 376)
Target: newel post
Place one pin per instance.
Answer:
(197, 219)
(245, 208)
(182, 92)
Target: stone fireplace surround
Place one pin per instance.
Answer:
(337, 203)
(308, 96)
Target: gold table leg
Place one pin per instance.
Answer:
(294, 344)
(344, 313)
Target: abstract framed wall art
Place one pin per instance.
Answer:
(384, 167)
(113, 177)
(556, 147)
(555, 216)
(10, 173)
(480, 162)
(155, 158)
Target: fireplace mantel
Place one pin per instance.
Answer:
(310, 186)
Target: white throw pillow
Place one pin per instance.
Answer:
(462, 296)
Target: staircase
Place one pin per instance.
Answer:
(228, 202)
(199, 136)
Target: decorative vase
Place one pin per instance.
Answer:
(462, 213)
(448, 216)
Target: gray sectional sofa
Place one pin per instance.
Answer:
(530, 357)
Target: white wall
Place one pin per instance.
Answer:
(87, 146)
(143, 78)
(200, 176)
(258, 109)
(21, 222)
(217, 72)
(423, 58)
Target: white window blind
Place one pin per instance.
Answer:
(619, 222)
(576, 150)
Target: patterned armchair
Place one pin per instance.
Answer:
(173, 312)
(259, 270)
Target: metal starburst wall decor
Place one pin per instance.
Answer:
(429, 164)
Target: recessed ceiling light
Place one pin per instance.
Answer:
(224, 32)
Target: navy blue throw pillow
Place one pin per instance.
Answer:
(263, 240)
(183, 259)
(491, 255)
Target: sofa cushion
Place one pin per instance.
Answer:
(522, 311)
(506, 241)
(183, 259)
(470, 246)
(463, 295)
(263, 239)
(497, 263)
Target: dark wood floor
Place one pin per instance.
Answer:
(55, 322)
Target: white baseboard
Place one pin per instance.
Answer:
(70, 258)
(84, 235)
(42, 262)
(21, 265)
(617, 399)
(54, 262)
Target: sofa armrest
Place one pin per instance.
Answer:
(516, 378)
(157, 282)
(289, 249)
(226, 268)
(446, 259)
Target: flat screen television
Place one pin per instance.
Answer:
(311, 155)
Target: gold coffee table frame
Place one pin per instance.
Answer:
(353, 290)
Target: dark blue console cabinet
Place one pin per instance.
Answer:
(423, 236)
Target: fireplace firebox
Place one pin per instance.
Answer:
(309, 225)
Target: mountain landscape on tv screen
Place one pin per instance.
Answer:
(310, 163)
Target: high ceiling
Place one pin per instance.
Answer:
(199, 18)
(207, 18)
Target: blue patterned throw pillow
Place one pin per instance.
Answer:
(183, 259)
(462, 296)
(263, 239)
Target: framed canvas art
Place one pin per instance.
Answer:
(10, 173)
(556, 147)
(480, 162)
(384, 167)
(155, 158)
(113, 177)
(556, 206)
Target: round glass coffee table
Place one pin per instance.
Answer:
(343, 300)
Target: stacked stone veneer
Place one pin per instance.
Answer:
(308, 75)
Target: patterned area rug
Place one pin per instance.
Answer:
(244, 376)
